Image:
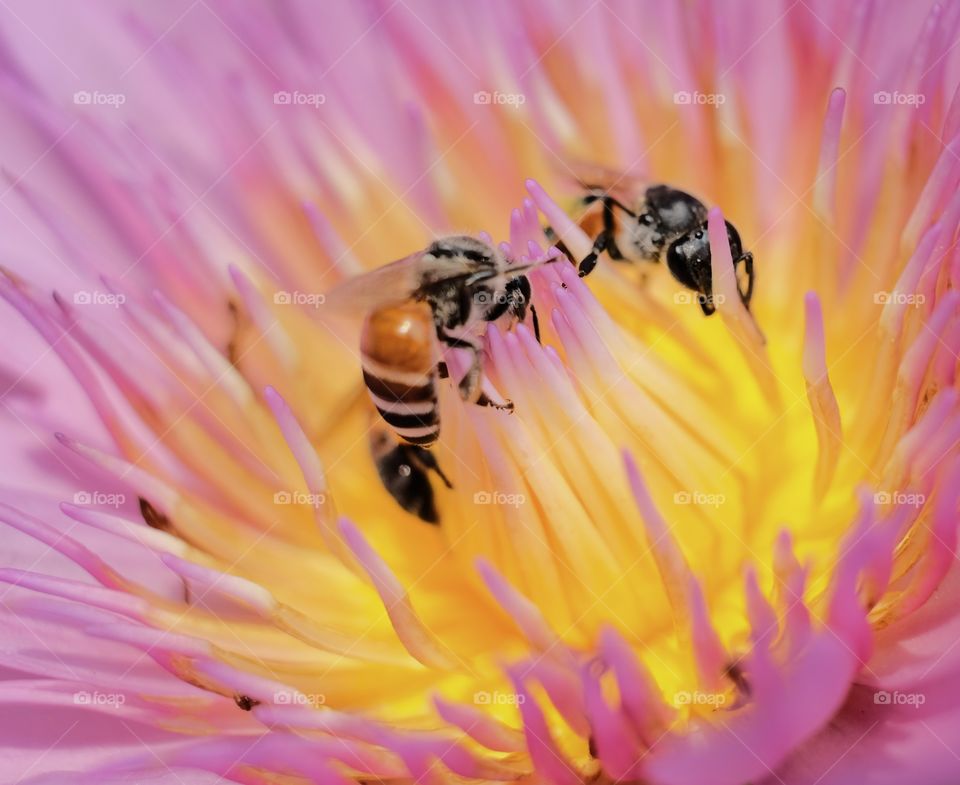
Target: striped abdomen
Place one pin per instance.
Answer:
(399, 369)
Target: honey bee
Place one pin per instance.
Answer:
(660, 223)
(440, 298)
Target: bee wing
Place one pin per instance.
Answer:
(397, 282)
(390, 284)
(625, 186)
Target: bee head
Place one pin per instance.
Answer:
(689, 257)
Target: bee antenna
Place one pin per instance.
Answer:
(519, 269)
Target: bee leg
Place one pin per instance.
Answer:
(605, 240)
(609, 202)
(747, 260)
(429, 461)
(486, 400)
(610, 227)
(536, 322)
(554, 240)
(469, 385)
(590, 260)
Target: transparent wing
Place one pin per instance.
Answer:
(625, 186)
(388, 285)
(395, 283)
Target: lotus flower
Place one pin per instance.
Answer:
(701, 550)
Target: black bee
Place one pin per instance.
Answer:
(662, 224)
(404, 471)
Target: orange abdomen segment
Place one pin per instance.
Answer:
(400, 338)
(399, 369)
(591, 221)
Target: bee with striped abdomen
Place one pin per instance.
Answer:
(416, 308)
(399, 370)
(659, 223)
